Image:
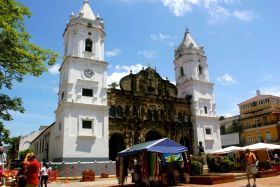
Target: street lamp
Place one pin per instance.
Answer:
(258, 130)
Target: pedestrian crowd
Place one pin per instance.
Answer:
(31, 174)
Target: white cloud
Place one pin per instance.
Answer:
(115, 77)
(148, 54)
(134, 68)
(218, 14)
(229, 106)
(218, 10)
(179, 7)
(160, 37)
(121, 71)
(114, 52)
(226, 79)
(54, 69)
(270, 90)
(165, 38)
(245, 15)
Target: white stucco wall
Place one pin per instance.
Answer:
(230, 139)
(210, 142)
(25, 141)
(86, 142)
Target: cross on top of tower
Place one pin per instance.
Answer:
(86, 1)
(187, 30)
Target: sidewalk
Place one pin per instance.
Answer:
(112, 182)
(100, 182)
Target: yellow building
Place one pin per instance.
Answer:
(260, 119)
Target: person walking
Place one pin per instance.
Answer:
(251, 169)
(44, 174)
(32, 168)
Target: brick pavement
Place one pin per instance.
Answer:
(112, 182)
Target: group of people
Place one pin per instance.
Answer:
(33, 173)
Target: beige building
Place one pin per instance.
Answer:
(260, 119)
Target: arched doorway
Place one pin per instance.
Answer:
(152, 135)
(184, 140)
(116, 144)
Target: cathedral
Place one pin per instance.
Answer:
(147, 108)
(94, 122)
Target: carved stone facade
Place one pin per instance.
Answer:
(146, 108)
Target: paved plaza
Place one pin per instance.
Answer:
(112, 182)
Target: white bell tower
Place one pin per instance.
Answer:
(81, 128)
(192, 79)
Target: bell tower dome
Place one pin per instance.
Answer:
(84, 35)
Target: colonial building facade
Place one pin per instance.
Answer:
(146, 108)
(93, 123)
(192, 80)
(260, 119)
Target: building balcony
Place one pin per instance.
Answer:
(272, 141)
(262, 125)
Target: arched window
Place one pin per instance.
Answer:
(181, 71)
(88, 46)
(200, 70)
(205, 110)
(112, 111)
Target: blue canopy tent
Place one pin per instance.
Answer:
(150, 164)
(164, 145)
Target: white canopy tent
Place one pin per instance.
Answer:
(262, 146)
(228, 150)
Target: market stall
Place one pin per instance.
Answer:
(263, 150)
(159, 161)
(226, 150)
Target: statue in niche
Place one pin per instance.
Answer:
(200, 148)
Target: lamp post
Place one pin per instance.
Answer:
(258, 130)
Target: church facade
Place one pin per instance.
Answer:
(145, 108)
(94, 123)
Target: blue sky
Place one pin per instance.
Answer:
(240, 37)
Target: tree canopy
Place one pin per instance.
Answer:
(18, 56)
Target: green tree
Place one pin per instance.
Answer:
(14, 143)
(18, 57)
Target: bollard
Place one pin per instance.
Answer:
(66, 173)
(57, 175)
(74, 172)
